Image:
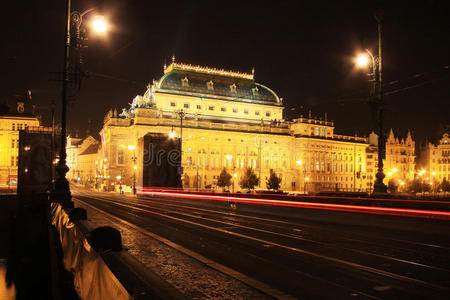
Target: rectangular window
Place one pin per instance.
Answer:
(13, 144)
(317, 131)
(173, 104)
(14, 126)
(186, 105)
(267, 113)
(235, 110)
(120, 157)
(199, 106)
(322, 132)
(257, 112)
(12, 161)
(19, 126)
(223, 109)
(246, 111)
(211, 108)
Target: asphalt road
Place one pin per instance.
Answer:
(300, 257)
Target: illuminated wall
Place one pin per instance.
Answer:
(435, 160)
(9, 146)
(231, 121)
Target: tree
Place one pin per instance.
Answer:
(273, 183)
(249, 180)
(415, 186)
(392, 185)
(224, 179)
(445, 185)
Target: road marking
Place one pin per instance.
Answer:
(266, 289)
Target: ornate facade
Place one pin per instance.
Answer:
(400, 157)
(229, 120)
(435, 159)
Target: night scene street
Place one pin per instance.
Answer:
(225, 150)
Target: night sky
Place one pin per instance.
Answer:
(303, 50)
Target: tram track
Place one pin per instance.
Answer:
(164, 211)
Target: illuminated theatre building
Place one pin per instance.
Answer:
(230, 121)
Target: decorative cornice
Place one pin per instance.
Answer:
(206, 70)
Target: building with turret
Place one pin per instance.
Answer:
(435, 159)
(14, 118)
(400, 157)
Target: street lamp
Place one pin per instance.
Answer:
(182, 115)
(61, 191)
(375, 64)
(133, 158)
(119, 178)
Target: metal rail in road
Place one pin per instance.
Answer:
(294, 256)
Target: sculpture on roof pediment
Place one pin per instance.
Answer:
(140, 102)
(125, 113)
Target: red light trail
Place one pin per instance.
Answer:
(417, 213)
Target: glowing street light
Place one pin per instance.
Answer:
(171, 134)
(362, 60)
(299, 162)
(229, 156)
(99, 24)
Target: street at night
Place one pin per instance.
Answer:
(224, 150)
(279, 256)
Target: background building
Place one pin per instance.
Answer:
(13, 118)
(435, 159)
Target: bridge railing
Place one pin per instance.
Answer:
(100, 267)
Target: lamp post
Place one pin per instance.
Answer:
(61, 191)
(182, 115)
(134, 159)
(375, 62)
